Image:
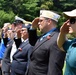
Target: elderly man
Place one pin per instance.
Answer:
(46, 58)
(21, 56)
(3, 41)
(11, 48)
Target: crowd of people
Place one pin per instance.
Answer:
(24, 52)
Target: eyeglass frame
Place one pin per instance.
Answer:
(72, 20)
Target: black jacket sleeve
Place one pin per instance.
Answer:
(33, 36)
(0, 40)
(5, 40)
(17, 42)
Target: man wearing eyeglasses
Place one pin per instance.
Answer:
(46, 58)
(69, 46)
(11, 47)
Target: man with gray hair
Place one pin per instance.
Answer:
(11, 48)
(3, 41)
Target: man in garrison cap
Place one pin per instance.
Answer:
(11, 47)
(46, 58)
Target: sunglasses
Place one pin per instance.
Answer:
(72, 20)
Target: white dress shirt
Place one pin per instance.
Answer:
(14, 49)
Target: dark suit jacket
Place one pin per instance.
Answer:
(20, 59)
(6, 59)
(46, 57)
(5, 40)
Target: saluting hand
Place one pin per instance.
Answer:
(65, 27)
(35, 23)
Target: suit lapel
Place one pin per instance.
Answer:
(41, 42)
(21, 46)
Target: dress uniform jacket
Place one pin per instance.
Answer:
(6, 59)
(46, 58)
(3, 43)
(20, 59)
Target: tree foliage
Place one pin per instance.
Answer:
(6, 17)
(29, 9)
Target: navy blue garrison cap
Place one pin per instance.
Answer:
(17, 22)
(26, 26)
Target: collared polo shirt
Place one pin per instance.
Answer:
(70, 47)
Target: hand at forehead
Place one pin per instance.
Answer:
(35, 22)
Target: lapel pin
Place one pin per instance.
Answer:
(48, 37)
(20, 49)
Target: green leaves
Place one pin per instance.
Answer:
(6, 17)
(29, 9)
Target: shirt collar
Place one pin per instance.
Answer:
(25, 40)
(49, 32)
